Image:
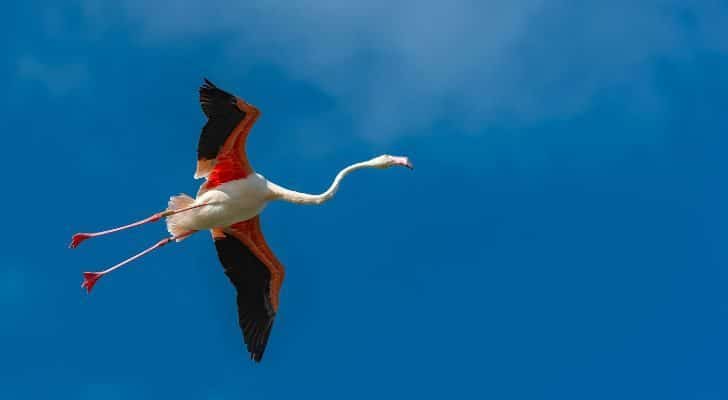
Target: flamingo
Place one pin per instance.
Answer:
(228, 204)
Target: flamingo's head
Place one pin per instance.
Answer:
(386, 161)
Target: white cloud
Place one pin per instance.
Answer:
(58, 79)
(399, 66)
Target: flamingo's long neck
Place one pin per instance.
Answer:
(292, 196)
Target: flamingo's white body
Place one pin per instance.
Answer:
(231, 202)
(228, 204)
(242, 199)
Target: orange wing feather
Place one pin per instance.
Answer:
(232, 160)
(250, 234)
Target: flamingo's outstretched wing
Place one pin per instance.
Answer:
(256, 274)
(221, 150)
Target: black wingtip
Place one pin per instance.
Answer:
(207, 84)
(258, 340)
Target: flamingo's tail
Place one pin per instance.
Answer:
(174, 222)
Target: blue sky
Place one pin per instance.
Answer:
(562, 235)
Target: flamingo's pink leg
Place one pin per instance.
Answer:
(80, 237)
(90, 278)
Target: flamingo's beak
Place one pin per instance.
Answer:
(403, 161)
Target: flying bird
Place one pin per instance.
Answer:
(228, 204)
